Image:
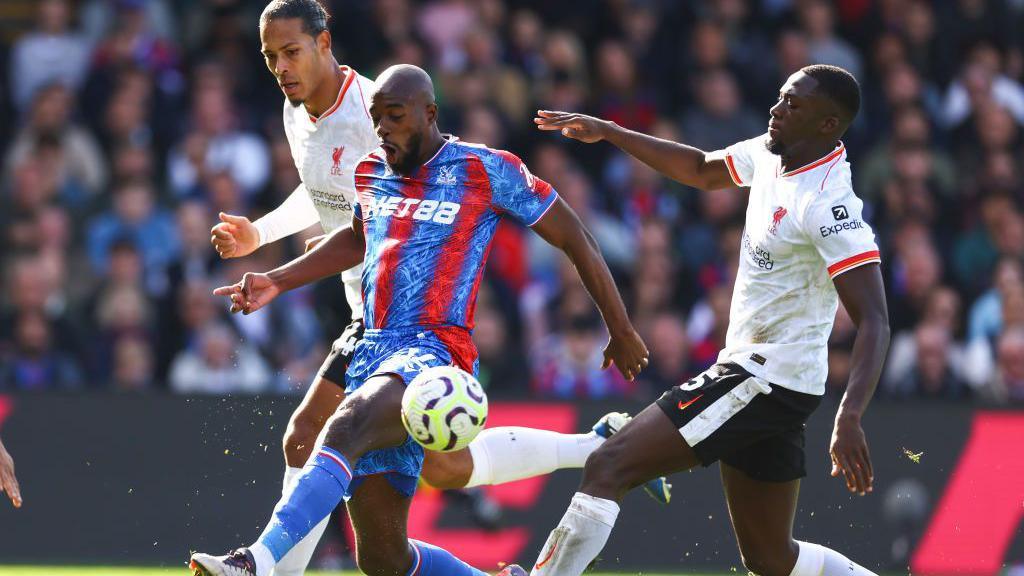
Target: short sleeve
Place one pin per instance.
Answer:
(364, 175)
(517, 192)
(740, 159)
(837, 229)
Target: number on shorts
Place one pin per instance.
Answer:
(696, 382)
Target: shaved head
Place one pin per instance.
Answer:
(404, 115)
(406, 82)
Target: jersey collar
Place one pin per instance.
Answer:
(448, 139)
(836, 153)
(349, 77)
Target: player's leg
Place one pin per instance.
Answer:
(762, 515)
(510, 453)
(379, 513)
(368, 419)
(685, 427)
(318, 405)
(647, 447)
(320, 402)
(762, 482)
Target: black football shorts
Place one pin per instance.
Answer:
(727, 414)
(336, 363)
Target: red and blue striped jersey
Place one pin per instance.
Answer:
(428, 234)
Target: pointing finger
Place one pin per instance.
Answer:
(227, 290)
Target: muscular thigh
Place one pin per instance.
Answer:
(647, 447)
(369, 418)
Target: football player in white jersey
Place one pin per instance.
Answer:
(804, 243)
(328, 126)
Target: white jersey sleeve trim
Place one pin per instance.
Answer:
(295, 214)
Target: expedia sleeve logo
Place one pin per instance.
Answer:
(842, 216)
(827, 231)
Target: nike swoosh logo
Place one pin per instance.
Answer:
(551, 552)
(685, 405)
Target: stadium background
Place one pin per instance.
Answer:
(127, 125)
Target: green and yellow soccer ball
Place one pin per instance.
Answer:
(444, 408)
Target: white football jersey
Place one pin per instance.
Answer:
(803, 228)
(326, 151)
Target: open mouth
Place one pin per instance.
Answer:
(290, 87)
(389, 150)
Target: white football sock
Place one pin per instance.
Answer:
(512, 453)
(578, 538)
(264, 559)
(294, 563)
(816, 560)
(290, 474)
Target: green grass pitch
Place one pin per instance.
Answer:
(132, 571)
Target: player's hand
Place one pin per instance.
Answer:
(8, 482)
(234, 236)
(628, 352)
(576, 126)
(314, 241)
(850, 456)
(254, 292)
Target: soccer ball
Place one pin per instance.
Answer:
(444, 408)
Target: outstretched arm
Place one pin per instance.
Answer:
(341, 250)
(863, 295)
(561, 228)
(679, 162)
(235, 236)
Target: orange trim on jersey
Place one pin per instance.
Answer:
(732, 170)
(362, 98)
(827, 172)
(853, 262)
(831, 156)
(350, 75)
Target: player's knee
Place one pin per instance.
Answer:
(383, 560)
(604, 471)
(342, 430)
(299, 440)
(351, 429)
(448, 471)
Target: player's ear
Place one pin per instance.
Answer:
(431, 111)
(830, 124)
(323, 41)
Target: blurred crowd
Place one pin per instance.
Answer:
(127, 126)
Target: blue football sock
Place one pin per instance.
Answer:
(314, 495)
(429, 560)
